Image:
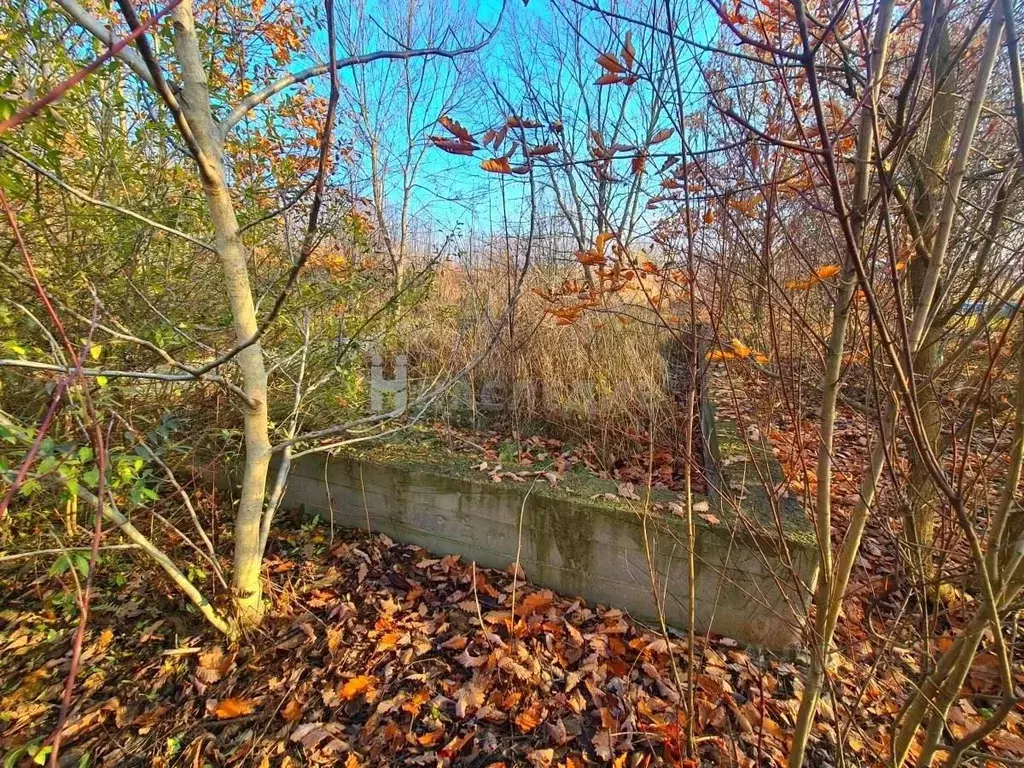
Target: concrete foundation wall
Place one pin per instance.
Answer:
(577, 546)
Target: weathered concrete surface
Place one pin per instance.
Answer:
(750, 583)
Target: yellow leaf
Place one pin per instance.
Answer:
(355, 686)
(95, 351)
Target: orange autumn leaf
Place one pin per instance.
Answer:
(610, 63)
(530, 718)
(543, 149)
(602, 240)
(454, 128)
(292, 711)
(609, 79)
(416, 702)
(628, 52)
(431, 738)
(639, 163)
(663, 135)
(718, 355)
(229, 708)
(709, 216)
(534, 602)
(742, 350)
(496, 165)
(453, 146)
(829, 270)
(355, 687)
(589, 258)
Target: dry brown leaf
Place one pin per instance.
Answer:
(541, 758)
(213, 664)
(543, 149)
(604, 745)
(628, 52)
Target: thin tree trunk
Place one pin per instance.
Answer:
(198, 112)
(826, 594)
(929, 182)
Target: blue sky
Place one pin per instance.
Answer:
(452, 191)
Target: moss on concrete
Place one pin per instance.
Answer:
(741, 469)
(737, 476)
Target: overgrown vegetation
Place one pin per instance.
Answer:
(573, 219)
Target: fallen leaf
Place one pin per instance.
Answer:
(355, 686)
(225, 709)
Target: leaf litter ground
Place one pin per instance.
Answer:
(377, 653)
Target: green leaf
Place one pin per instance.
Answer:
(91, 477)
(60, 565)
(16, 348)
(81, 563)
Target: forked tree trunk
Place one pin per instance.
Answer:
(195, 103)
